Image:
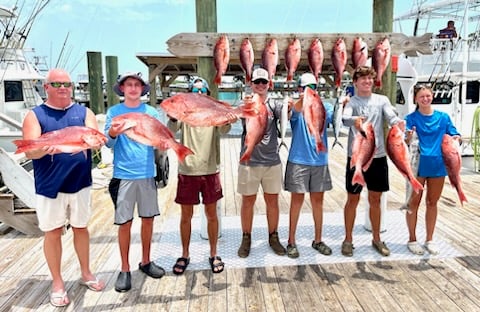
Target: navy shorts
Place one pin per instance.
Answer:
(376, 177)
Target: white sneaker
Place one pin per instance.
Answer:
(415, 248)
(432, 247)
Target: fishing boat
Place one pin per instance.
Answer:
(453, 70)
(19, 90)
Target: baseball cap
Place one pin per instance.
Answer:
(260, 73)
(121, 79)
(306, 79)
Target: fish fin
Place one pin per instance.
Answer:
(245, 157)
(378, 83)
(461, 196)
(321, 147)
(289, 77)
(182, 151)
(271, 84)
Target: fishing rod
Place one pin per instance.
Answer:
(61, 51)
(26, 31)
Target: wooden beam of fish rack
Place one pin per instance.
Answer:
(203, 43)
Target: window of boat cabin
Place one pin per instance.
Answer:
(13, 91)
(473, 89)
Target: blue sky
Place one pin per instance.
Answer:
(124, 28)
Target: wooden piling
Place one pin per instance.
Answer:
(94, 60)
(111, 63)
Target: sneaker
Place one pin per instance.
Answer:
(381, 248)
(275, 244)
(292, 251)
(152, 270)
(244, 249)
(415, 248)
(124, 282)
(322, 248)
(347, 249)
(431, 247)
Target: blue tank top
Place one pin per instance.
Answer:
(63, 172)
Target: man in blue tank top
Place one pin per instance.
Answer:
(62, 182)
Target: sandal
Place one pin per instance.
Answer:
(94, 285)
(432, 247)
(322, 248)
(217, 266)
(347, 249)
(59, 299)
(415, 248)
(292, 251)
(381, 248)
(180, 266)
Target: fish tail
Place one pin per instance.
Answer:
(182, 151)
(289, 77)
(218, 79)
(417, 186)
(461, 196)
(335, 142)
(378, 83)
(248, 78)
(282, 143)
(358, 178)
(321, 147)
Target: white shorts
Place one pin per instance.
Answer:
(250, 178)
(72, 208)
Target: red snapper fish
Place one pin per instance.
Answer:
(339, 60)
(363, 150)
(270, 59)
(315, 57)
(292, 57)
(73, 139)
(381, 59)
(315, 116)
(221, 57)
(453, 163)
(255, 126)
(247, 58)
(148, 130)
(201, 110)
(359, 52)
(397, 150)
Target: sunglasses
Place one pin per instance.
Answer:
(262, 81)
(311, 86)
(201, 90)
(59, 84)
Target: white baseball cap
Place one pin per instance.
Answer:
(306, 79)
(121, 79)
(260, 73)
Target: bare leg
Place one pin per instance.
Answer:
(350, 212)
(296, 203)
(186, 229)
(212, 227)
(52, 248)
(124, 244)
(246, 212)
(375, 213)
(412, 213)
(273, 211)
(316, 199)
(146, 237)
(434, 190)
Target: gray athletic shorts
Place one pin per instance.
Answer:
(126, 193)
(307, 179)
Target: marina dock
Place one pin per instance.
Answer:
(449, 281)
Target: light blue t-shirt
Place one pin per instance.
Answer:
(131, 160)
(303, 149)
(430, 130)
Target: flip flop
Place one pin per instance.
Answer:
(59, 299)
(94, 285)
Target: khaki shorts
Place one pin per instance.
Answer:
(74, 208)
(250, 177)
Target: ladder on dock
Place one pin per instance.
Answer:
(17, 194)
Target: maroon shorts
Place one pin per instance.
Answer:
(190, 187)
